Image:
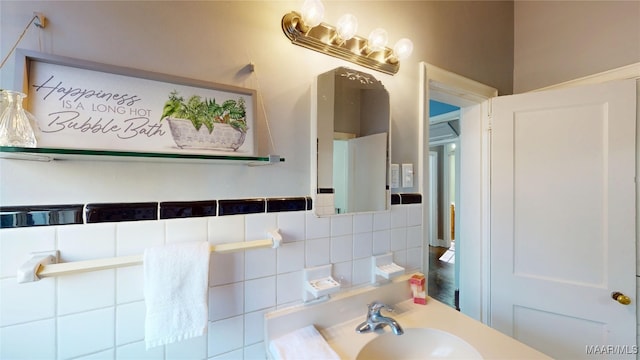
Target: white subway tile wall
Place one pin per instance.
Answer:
(32, 340)
(84, 333)
(318, 252)
(78, 293)
(14, 243)
(130, 323)
(361, 271)
(194, 348)
(129, 282)
(100, 315)
(14, 296)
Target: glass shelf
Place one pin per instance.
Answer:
(49, 154)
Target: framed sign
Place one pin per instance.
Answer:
(79, 104)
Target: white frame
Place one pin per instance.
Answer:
(24, 59)
(444, 86)
(323, 203)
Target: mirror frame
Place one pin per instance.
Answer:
(323, 198)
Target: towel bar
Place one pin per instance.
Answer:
(34, 270)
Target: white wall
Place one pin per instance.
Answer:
(558, 41)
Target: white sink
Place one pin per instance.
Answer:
(418, 343)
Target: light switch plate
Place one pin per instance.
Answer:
(407, 175)
(395, 176)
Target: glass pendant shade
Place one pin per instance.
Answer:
(347, 27)
(312, 12)
(15, 129)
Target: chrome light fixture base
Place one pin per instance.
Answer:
(323, 38)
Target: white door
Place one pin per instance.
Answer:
(369, 168)
(563, 219)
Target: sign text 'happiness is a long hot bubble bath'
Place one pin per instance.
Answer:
(133, 121)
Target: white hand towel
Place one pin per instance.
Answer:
(305, 343)
(175, 292)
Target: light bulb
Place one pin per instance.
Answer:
(403, 48)
(346, 27)
(312, 12)
(378, 39)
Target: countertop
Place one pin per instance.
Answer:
(337, 318)
(491, 344)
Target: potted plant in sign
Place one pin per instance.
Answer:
(204, 124)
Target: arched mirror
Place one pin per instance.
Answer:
(350, 128)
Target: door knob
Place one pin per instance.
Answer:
(621, 298)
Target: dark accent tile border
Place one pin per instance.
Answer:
(410, 198)
(115, 212)
(286, 204)
(43, 215)
(186, 209)
(325, 191)
(241, 206)
(40, 215)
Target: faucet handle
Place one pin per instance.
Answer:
(376, 306)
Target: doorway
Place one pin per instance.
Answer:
(471, 192)
(444, 131)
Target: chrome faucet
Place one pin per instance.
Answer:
(375, 320)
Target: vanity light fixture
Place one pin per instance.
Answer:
(306, 29)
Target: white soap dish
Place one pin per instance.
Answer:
(318, 283)
(321, 287)
(383, 266)
(389, 271)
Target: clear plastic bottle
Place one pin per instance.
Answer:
(15, 129)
